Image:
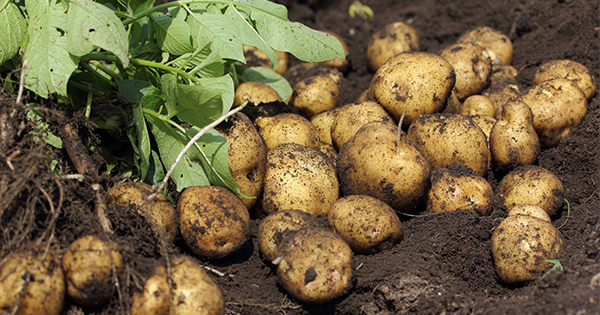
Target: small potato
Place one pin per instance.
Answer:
(31, 284)
(418, 82)
(567, 69)
(342, 65)
(458, 187)
(255, 93)
(214, 221)
(323, 121)
(477, 105)
(520, 246)
(492, 39)
(316, 265)
(513, 140)
(277, 225)
(500, 93)
(287, 128)
(531, 210)
(301, 178)
(367, 224)
(501, 72)
(379, 162)
(315, 95)
(353, 116)
(247, 155)
(159, 210)
(531, 185)
(155, 299)
(88, 264)
(255, 57)
(486, 123)
(558, 106)
(390, 41)
(472, 67)
(194, 291)
(450, 139)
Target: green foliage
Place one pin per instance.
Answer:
(556, 266)
(177, 69)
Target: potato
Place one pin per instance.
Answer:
(567, 69)
(287, 128)
(500, 93)
(450, 139)
(322, 121)
(256, 93)
(353, 116)
(304, 70)
(301, 178)
(531, 185)
(31, 284)
(379, 163)
(342, 65)
(520, 246)
(277, 225)
(558, 106)
(155, 299)
(501, 72)
(367, 224)
(214, 221)
(330, 152)
(457, 187)
(316, 265)
(159, 210)
(255, 57)
(477, 105)
(89, 264)
(417, 82)
(194, 291)
(247, 156)
(513, 140)
(393, 39)
(491, 39)
(531, 210)
(486, 123)
(472, 67)
(315, 95)
(363, 97)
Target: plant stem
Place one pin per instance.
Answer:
(89, 68)
(106, 70)
(84, 87)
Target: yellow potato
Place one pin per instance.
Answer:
(315, 95)
(567, 69)
(500, 93)
(322, 121)
(255, 57)
(194, 291)
(531, 210)
(477, 105)
(255, 93)
(501, 72)
(155, 299)
(492, 39)
(390, 41)
(287, 128)
(472, 67)
(353, 116)
(342, 65)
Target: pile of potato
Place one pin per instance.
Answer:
(426, 132)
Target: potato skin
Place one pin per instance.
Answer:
(214, 221)
(155, 299)
(301, 178)
(531, 210)
(417, 82)
(472, 68)
(371, 164)
(247, 156)
(353, 116)
(194, 291)
(316, 265)
(567, 69)
(531, 185)
(520, 244)
(287, 128)
(45, 291)
(255, 93)
(477, 105)
(492, 39)
(500, 93)
(393, 39)
(159, 210)
(367, 224)
(88, 266)
(315, 95)
(323, 121)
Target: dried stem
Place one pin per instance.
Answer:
(399, 131)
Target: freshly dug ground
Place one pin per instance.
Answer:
(443, 264)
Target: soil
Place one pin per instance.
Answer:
(443, 264)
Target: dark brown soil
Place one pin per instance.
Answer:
(443, 264)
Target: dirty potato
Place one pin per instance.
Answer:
(287, 128)
(194, 291)
(567, 69)
(315, 95)
(393, 39)
(491, 39)
(323, 121)
(472, 67)
(351, 117)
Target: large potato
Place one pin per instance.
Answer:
(378, 162)
(416, 82)
(567, 69)
(531, 185)
(492, 39)
(353, 116)
(194, 291)
(558, 106)
(31, 284)
(287, 128)
(247, 156)
(315, 95)
(520, 246)
(277, 225)
(214, 221)
(316, 265)
(367, 224)
(298, 177)
(159, 210)
(155, 299)
(472, 67)
(450, 139)
(390, 41)
(88, 264)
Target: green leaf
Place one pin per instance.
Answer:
(173, 35)
(142, 137)
(199, 105)
(91, 24)
(3, 4)
(299, 40)
(270, 78)
(203, 63)
(133, 90)
(214, 29)
(13, 28)
(274, 9)
(49, 63)
(43, 129)
(156, 172)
